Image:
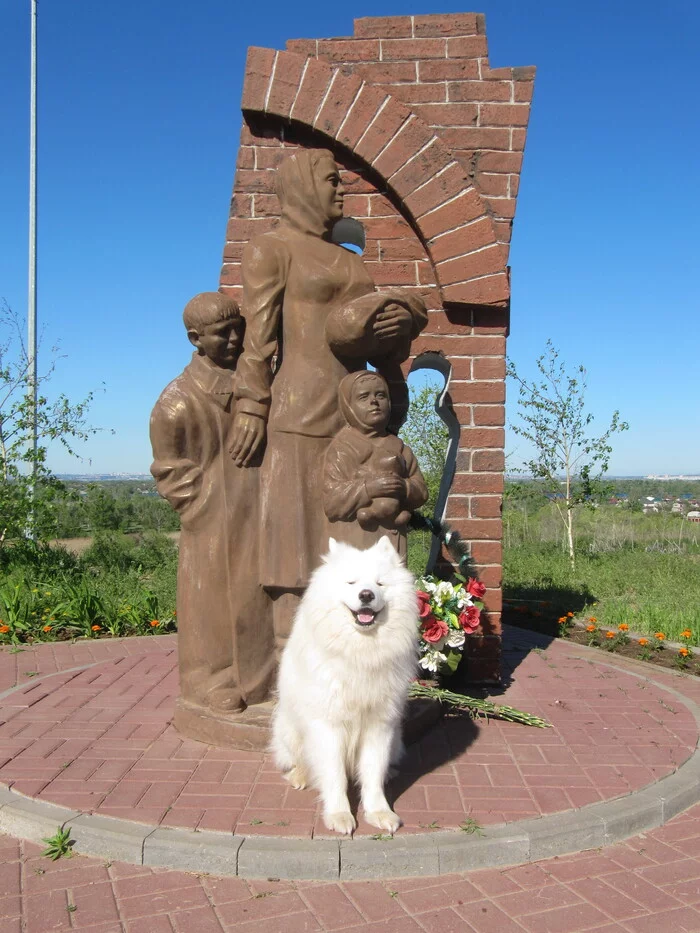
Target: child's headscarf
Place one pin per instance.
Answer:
(345, 396)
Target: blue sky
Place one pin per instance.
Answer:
(139, 121)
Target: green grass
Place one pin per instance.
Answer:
(643, 571)
(640, 570)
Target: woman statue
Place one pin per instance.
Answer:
(312, 316)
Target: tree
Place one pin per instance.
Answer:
(567, 460)
(28, 489)
(101, 509)
(426, 434)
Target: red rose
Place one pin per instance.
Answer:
(424, 609)
(475, 589)
(469, 619)
(434, 629)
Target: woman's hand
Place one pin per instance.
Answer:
(394, 321)
(248, 438)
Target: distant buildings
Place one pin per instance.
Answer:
(666, 477)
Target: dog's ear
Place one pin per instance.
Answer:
(332, 545)
(386, 545)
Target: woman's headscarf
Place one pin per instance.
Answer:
(345, 388)
(296, 190)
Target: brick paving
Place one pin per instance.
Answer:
(99, 740)
(649, 884)
(83, 737)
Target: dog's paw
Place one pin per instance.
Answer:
(384, 819)
(296, 777)
(342, 822)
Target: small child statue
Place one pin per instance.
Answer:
(370, 477)
(225, 650)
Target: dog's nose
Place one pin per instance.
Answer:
(366, 596)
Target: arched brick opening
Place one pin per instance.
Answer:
(430, 139)
(384, 134)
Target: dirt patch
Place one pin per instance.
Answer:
(78, 545)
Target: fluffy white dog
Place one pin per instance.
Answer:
(344, 679)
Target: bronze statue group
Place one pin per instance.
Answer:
(277, 435)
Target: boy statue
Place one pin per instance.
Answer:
(225, 649)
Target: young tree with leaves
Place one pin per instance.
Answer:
(28, 489)
(567, 460)
(426, 434)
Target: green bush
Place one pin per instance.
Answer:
(155, 550)
(110, 550)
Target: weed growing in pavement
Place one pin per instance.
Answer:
(58, 845)
(471, 827)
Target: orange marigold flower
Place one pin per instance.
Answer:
(154, 623)
(593, 619)
(643, 641)
(590, 628)
(562, 620)
(659, 635)
(46, 628)
(686, 633)
(610, 634)
(623, 627)
(683, 652)
(4, 628)
(570, 615)
(96, 628)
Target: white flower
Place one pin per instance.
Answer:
(444, 591)
(428, 586)
(432, 660)
(456, 638)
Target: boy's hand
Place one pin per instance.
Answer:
(248, 438)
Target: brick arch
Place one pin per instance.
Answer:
(447, 212)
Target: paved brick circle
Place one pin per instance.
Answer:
(96, 738)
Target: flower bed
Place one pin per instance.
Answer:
(655, 648)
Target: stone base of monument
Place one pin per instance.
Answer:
(250, 730)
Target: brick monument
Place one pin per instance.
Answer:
(430, 139)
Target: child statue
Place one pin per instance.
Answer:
(371, 477)
(225, 649)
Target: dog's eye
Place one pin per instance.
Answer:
(352, 582)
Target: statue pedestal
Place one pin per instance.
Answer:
(250, 730)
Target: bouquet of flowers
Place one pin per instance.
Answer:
(448, 613)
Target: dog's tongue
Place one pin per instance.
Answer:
(365, 616)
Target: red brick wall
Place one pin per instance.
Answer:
(430, 139)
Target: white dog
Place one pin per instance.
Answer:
(344, 679)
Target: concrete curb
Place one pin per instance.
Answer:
(420, 854)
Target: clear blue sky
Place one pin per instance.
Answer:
(139, 121)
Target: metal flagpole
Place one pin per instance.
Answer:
(31, 312)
